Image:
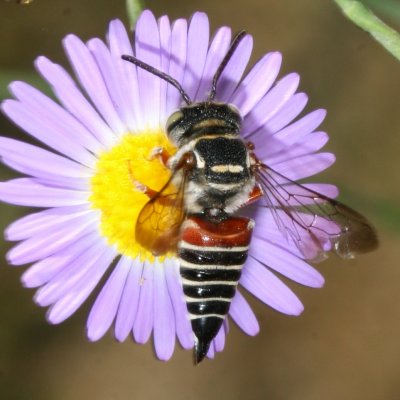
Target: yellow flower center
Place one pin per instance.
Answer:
(114, 193)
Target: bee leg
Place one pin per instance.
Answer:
(161, 154)
(141, 187)
(254, 195)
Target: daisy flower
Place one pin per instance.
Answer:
(101, 128)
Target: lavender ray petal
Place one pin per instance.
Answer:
(270, 104)
(304, 166)
(68, 304)
(74, 101)
(108, 67)
(285, 263)
(164, 28)
(310, 144)
(184, 330)
(27, 192)
(147, 46)
(120, 44)
(177, 63)
(211, 351)
(81, 268)
(128, 305)
(90, 78)
(296, 131)
(218, 48)
(40, 159)
(60, 121)
(38, 223)
(52, 240)
(46, 132)
(293, 107)
(256, 83)
(164, 321)
(44, 270)
(197, 47)
(106, 305)
(243, 315)
(219, 340)
(263, 284)
(144, 319)
(233, 71)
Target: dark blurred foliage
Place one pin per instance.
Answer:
(345, 345)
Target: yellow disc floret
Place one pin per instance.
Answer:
(113, 189)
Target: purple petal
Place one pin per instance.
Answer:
(270, 104)
(27, 192)
(219, 340)
(39, 160)
(52, 240)
(129, 301)
(263, 284)
(45, 131)
(197, 47)
(299, 129)
(60, 121)
(243, 315)
(108, 67)
(164, 27)
(40, 222)
(293, 107)
(143, 324)
(120, 44)
(45, 270)
(106, 305)
(147, 45)
(310, 144)
(164, 321)
(256, 83)
(233, 71)
(177, 63)
(183, 326)
(89, 76)
(285, 263)
(67, 305)
(218, 48)
(304, 166)
(81, 268)
(73, 100)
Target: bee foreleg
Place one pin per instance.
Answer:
(254, 195)
(161, 153)
(139, 186)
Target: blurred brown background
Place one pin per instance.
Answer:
(346, 343)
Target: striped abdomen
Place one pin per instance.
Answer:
(211, 258)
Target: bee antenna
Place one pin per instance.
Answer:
(160, 74)
(235, 43)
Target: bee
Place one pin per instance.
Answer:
(214, 174)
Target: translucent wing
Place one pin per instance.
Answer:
(315, 222)
(159, 221)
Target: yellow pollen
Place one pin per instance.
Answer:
(113, 189)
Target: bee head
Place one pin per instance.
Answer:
(202, 118)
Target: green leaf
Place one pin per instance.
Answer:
(133, 9)
(367, 20)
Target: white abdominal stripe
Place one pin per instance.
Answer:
(210, 276)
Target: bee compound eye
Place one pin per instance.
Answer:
(173, 119)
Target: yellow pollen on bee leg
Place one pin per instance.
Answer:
(113, 189)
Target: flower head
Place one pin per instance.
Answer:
(99, 134)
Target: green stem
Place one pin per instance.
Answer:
(367, 20)
(133, 9)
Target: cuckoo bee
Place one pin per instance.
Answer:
(214, 173)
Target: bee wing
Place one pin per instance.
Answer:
(314, 222)
(159, 221)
